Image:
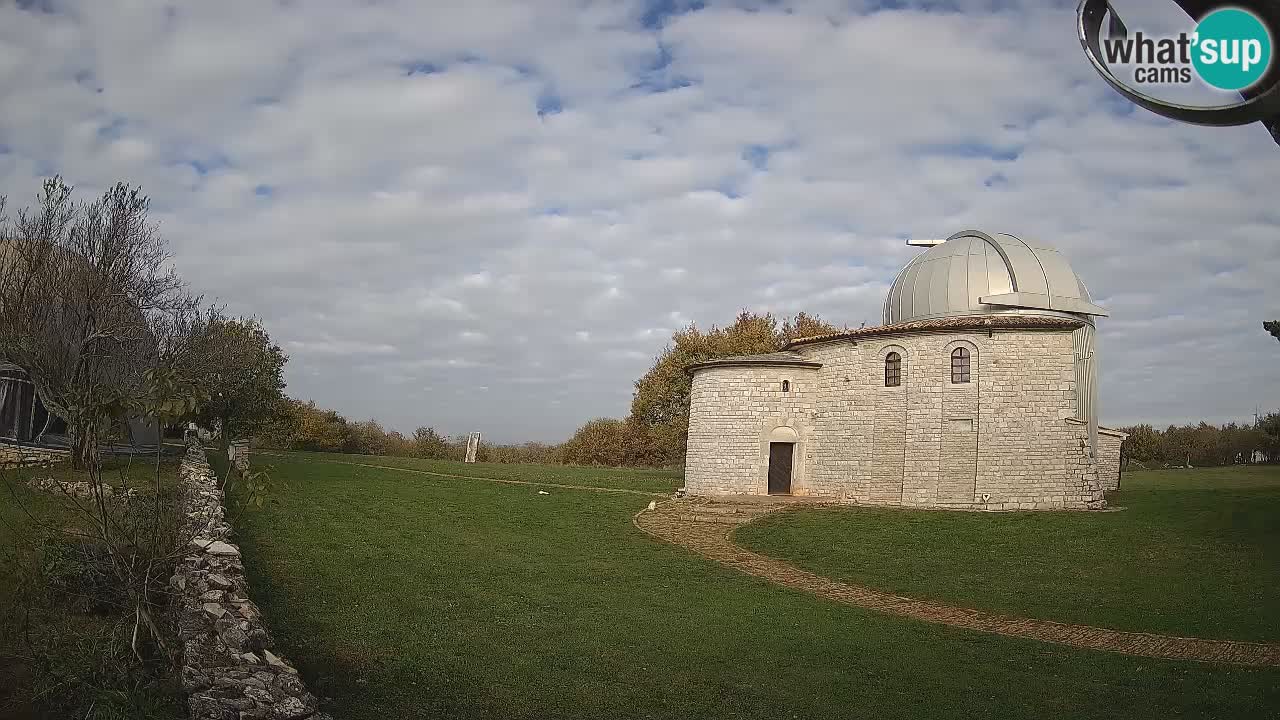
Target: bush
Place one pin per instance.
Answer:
(75, 575)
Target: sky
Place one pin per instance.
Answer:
(491, 215)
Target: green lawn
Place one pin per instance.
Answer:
(1195, 552)
(406, 595)
(656, 481)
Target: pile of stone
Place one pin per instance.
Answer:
(229, 670)
(79, 488)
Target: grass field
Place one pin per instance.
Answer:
(58, 656)
(1194, 552)
(656, 481)
(408, 595)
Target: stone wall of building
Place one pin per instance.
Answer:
(734, 411)
(1003, 441)
(1109, 442)
(841, 464)
(229, 670)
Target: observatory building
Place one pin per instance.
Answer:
(979, 392)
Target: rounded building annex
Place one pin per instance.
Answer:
(979, 391)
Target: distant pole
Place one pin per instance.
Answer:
(473, 444)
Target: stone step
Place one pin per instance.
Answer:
(727, 509)
(713, 518)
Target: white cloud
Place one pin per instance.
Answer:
(488, 194)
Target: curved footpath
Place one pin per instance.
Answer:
(679, 522)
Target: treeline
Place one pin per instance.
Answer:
(1203, 444)
(304, 426)
(653, 435)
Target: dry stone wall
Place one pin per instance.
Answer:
(229, 669)
(79, 488)
(25, 456)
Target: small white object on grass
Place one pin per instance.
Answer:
(543, 492)
(653, 504)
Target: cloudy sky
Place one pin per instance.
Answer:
(486, 215)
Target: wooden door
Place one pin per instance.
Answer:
(780, 455)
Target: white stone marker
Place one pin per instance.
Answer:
(473, 444)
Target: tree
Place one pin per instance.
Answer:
(1269, 425)
(1272, 327)
(366, 438)
(427, 443)
(243, 371)
(802, 326)
(1143, 444)
(661, 402)
(92, 312)
(602, 441)
(318, 430)
(86, 291)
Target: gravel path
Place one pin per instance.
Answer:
(671, 522)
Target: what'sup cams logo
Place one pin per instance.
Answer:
(1230, 47)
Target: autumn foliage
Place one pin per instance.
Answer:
(655, 433)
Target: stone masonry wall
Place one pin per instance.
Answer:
(732, 412)
(228, 670)
(842, 460)
(22, 455)
(1030, 455)
(1001, 442)
(1109, 443)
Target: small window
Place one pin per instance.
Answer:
(892, 370)
(786, 386)
(960, 365)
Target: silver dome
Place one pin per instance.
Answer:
(973, 273)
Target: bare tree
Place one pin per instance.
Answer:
(82, 289)
(105, 329)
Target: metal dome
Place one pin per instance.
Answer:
(973, 273)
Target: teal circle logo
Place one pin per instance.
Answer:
(1232, 49)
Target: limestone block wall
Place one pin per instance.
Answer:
(844, 422)
(1109, 442)
(1002, 441)
(732, 412)
(1030, 455)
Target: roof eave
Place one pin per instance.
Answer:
(944, 325)
(690, 369)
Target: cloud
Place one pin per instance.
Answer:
(492, 195)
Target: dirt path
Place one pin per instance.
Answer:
(505, 481)
(671, 522)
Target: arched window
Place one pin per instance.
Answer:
(786, 386)
(960, 365)
(892, 370)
